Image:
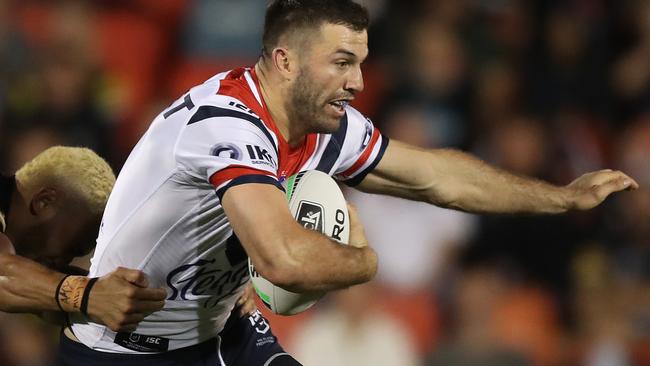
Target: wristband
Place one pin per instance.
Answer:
(56, 292)
(84, 299)
(71, 292)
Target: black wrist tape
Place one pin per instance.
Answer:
(84, 300)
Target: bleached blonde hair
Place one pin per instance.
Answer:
(75, 168)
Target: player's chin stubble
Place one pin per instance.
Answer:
(305, 107)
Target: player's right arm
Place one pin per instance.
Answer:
(289, 255)
(120, 300)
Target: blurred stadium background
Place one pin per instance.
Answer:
(550, 89)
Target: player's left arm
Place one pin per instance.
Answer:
(454, 179)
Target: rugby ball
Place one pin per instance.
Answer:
(317, 203)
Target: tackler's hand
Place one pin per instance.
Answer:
(121, 299)
(246, 302)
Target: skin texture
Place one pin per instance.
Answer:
(50, 225)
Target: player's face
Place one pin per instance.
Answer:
(329, 77)
(56, 242)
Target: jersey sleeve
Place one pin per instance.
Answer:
(227, 147)
(363, 149)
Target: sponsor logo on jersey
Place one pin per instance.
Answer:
(226, 150)
(203, 280)
(310, 215)
(260, 155)
(141, 342)
(243, 108)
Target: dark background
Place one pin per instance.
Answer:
(550, 89)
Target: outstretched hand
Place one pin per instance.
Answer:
(591, 189)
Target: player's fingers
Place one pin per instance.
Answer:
(614, 185)
(622, 181)
(242, 300)
(134, 276)
(353, 213)
(148, 307)
(630, 183)
(604, 177)
(130, 322)
(246, 293)
(151, 294)
(247, 309)
(246, 302)
(625, 181)
(127, 328)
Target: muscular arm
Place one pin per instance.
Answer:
(287, 254)
(26, 286)
(454, 179)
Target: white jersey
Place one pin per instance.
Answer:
(165, 218)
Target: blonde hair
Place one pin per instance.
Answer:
(76, 168)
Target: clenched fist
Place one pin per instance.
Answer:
(121, 299)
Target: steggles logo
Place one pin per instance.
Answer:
(216, 282)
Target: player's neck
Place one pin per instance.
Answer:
(274, 96)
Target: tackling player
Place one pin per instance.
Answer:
(239, 135)
(49, 213)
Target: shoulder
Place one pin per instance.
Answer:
(221, 116)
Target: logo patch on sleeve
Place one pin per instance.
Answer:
(227, 150)
(259, 155)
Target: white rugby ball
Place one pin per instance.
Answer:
(317, 203)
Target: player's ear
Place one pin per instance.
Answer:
(282, 62)
(45, 202)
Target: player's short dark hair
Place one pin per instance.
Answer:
(283, 16)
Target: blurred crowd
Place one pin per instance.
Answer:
(549, 89)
